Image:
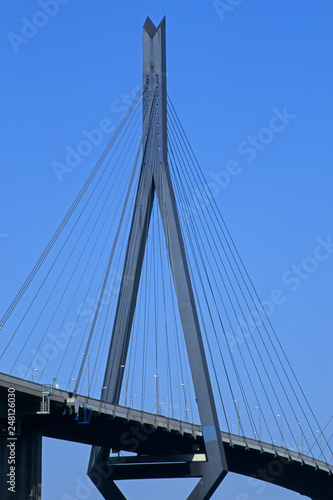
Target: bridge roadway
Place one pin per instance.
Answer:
(154, 438)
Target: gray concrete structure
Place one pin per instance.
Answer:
(155, 178)
(153, 437)
(20, 449)
(163, 447)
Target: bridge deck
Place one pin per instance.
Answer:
(90, 421)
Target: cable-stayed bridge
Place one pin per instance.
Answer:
(142, 279)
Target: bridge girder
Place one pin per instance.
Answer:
(129, 430)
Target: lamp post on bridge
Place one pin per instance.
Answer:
(70, 383)
(86, 354)
(300, 426)
(104, 395)
(259, 409)
(132, 399)
(321, 450)
(238, 417)
(157, 395)
(123, 367)
(281, 430)
(32, 373)
(185, 399)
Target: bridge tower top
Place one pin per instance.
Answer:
(154, 81)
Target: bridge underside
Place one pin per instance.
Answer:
(149, 440)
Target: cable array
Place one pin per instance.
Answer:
(259, 390)
(56, 313)
(58, 327)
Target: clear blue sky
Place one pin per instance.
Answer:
(230, 72)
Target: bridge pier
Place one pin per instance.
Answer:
(21, 466)
(20, 447)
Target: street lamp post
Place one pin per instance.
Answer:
(124, 368)
(321, 450)
(300, 426)
(157, 395)
(32, 374)
(186, 409)
(70, 384)
(133, 396)
(259, 409)
(87, 355)
(104, 395)
(281, 430)
(238, 417)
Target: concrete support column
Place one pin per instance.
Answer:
(25, 481)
